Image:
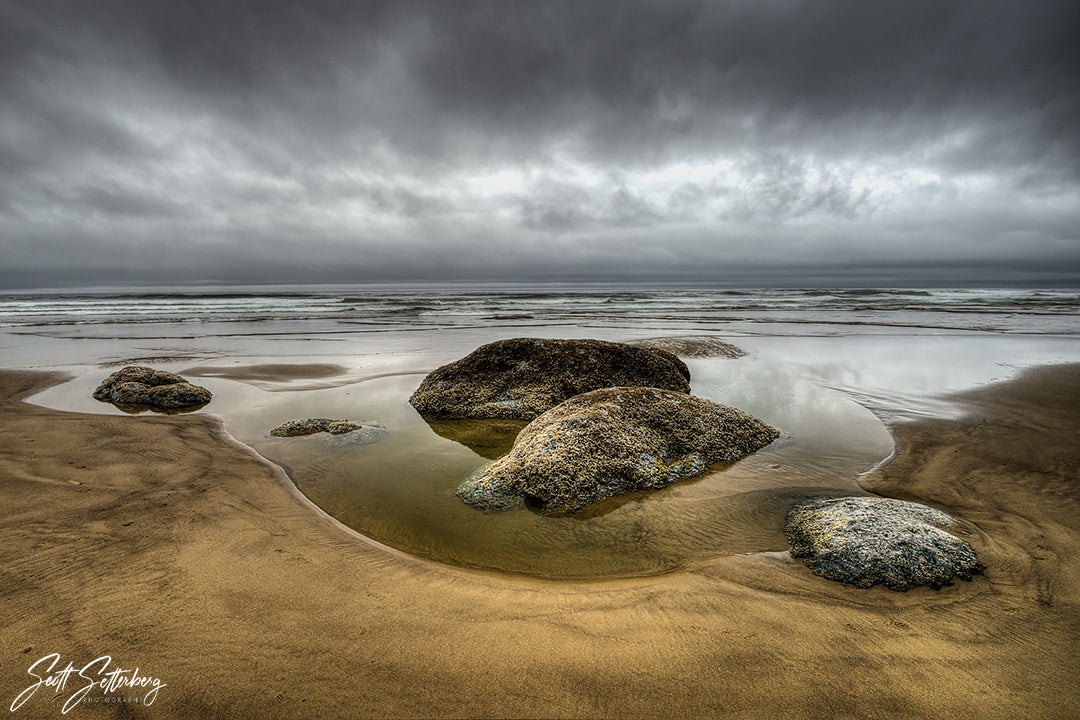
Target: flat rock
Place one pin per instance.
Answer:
(612, 441)
(865, 541)
(692, 346)
(139, 385)
(343, 432)
(521, 378)
(310, 426)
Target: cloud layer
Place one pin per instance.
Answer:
(755, 141)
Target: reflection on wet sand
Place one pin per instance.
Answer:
(270, 372)
(138, 409)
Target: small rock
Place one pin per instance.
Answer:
(612, 441)
(865, 541)
(521, 378)
(309, 426)
(138, 385)
(344, 432)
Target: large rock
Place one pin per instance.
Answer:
(521, 378)
(613, 441)
(138, 385)
(864, 541)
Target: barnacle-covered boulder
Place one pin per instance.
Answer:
(611, 441)
(865, 541)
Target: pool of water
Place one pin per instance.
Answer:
(400, 490)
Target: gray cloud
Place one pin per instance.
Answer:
(339, 140)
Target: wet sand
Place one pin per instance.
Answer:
(271, 372)
(161, 542)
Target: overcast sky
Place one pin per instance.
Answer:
(754, 142)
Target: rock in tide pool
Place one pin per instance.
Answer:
(310, 426)
(865, 541)
(138, 385)
(344, 432)
(612, 441)
(692, 346)
(521, 378)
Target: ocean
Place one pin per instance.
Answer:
(750, 311)
(896, 349)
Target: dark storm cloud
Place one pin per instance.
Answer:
(746, 71)
(623, 71)
(556, 139)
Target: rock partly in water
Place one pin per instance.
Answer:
(343, 432)
(519, 379)
(864, 541)
(692, 346)
(139, 385)
(612, 441)
(310, 426)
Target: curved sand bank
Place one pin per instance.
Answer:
(161, 542)
(270, 372)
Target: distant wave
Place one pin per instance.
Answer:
(1041, 310)
(867, 292)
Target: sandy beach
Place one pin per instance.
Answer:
(163, 543)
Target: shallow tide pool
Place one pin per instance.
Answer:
(399, 490)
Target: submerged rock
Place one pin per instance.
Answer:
(490, 438)
(692, 346)
(521, 378)
(613, 441)
(138, 385)
(345, 432)
(865, 541)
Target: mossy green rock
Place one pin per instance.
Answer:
(139, 385)
(612, 441)
(343, 432)
(520, 378)
(866, 541)
(310, 426)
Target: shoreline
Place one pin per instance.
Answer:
(150, 538)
